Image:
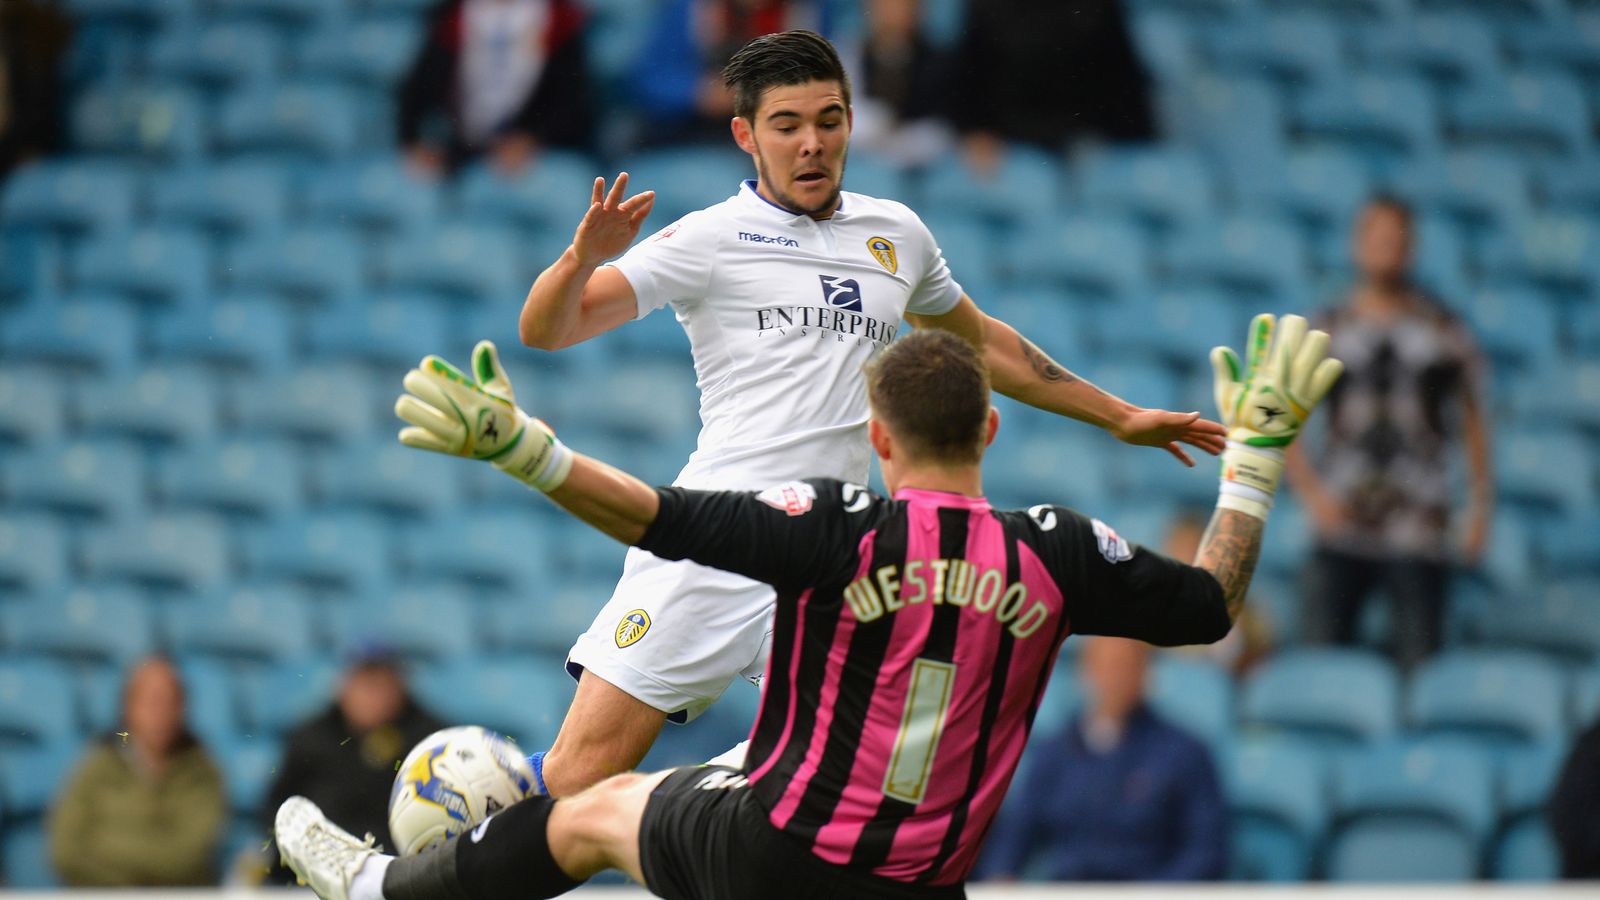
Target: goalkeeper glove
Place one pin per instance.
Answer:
(1286, 374)
(478, 418)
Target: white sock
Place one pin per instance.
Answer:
(368, 881)
(732, 757)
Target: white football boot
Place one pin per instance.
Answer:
(323, 855)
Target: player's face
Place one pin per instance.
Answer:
(1383, 244)
(799, 139)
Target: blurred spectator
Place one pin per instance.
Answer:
(1573, 805)
(145, 807)
(679, 78)
(901, 84)
(1120, 795)
(1378, 488)
(33, 38)
(1048, 73)
(1251, 638)
(344, 759)
(497, 77)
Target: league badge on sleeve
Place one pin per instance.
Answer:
(793, 497)
(882, 250)
(1112, 545)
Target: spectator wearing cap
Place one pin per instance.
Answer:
(344, 757)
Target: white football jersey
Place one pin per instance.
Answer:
(782, 313)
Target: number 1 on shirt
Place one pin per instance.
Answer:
(927, 702)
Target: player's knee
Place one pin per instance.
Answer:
(606, 812)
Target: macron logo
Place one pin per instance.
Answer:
(754, 238)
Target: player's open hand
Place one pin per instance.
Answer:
(611, 223)
(1170, 430)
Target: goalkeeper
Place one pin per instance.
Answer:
(913, 638)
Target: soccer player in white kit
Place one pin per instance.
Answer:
(786, 289)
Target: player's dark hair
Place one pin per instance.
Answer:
(932, 389)
(779, 60)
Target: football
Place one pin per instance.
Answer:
(451, 781)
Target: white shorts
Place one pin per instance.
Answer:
(676, 634)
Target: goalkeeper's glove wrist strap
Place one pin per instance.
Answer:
(1250, 478)
(539, 460)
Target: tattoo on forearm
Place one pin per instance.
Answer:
(1045, 367)
(1229, 550)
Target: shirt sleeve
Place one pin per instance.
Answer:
(1124, 590)
(936, 291)
(674, 264)
(792, 536)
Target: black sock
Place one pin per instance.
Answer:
(511, 860)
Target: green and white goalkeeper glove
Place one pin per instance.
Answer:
(1264, 403)
(478, 418)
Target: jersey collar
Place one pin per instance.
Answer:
(941, 498)
(747, 189)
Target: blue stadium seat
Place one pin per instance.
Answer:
(250, 765)
(107, 626)
(1278, 792)
(1181, 326)
(1052, 317)
(1294, 48)
(69, 194)
(379, 192)
(1508, 561)
(1260, 256)
(552, 194)
(150, 263)
(212, 703)
(1156, 477)
(1570, 545)
(684, 179)
(1401, 851)
(658, 335)
(313, 119)
(26, 857)
(297, 403)
(163, 403)
(323, 262)
(377, 472)
(143, 12)
(1098, 255)
(1142, 382)
(1585, 330)
(1383, 116)
(376, 51)
(475, 260)
(496, 548)
(969, 248)
(1288, 544)
(344, 549)
(1441, 255)
(578, 551)
(140, 118)
(238, 330)
(1163, 185)
(1526, 852)
(35, 703)
(423, 622)
(252, 623)
(1026, 185)
(1064, 468)
(1166, 44)
(1568, 43)
(32, 405)
(1566, 391)
(1586, 697)
(393, 331)
(1571, 185)
(1476, 185)
(1526, 776)
(1554, 615)
(1502, 697)
(1347, 696)
(86, 332)
(33, 554)
(1322, 185)
(100, 478)
(523, 699)
(650, 399)
(546, 612)
(876, 176)
(714, 732)
(1448, 782)
(1241, 120)
(183, 550)
(239, 196)
(218, 53)
(1451, 48)
(1194, 693)
(1514, 324)
(251, 477)
(31, 779)
(1541, 114)
(1560, 251)
(280, 697)
(1546, 470)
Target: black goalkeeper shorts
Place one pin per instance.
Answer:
(704, 837)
